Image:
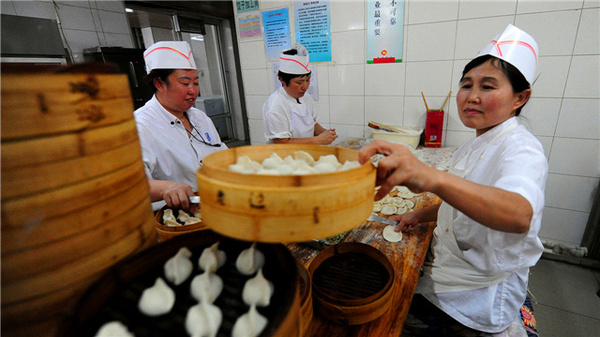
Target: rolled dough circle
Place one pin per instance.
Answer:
(390, 235)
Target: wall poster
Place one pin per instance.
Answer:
(313, 28)
(276, 25)
(385, 29)
(246, 5)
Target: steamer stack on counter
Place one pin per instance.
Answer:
(75, 197)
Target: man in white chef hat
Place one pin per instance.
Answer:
(474, 280)
(290, 114)
(174, 135)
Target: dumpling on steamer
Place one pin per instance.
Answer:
(305, 156)
(272, 162)
(250, 324)
(192, 220)
(206, 287)
(157, 300)
(258, 290)
(250, 260)
(179, 267)
(182, 215)
(114, 329)
(212, 258)
(169, 219)
(203, 320)
(348, 165)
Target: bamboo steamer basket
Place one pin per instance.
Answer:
(284, 208)
(116, 294)
(165, 232)
(306, 302)
(75, 197)
(352, 283)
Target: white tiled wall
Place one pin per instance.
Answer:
(440, 37)
(84, 24)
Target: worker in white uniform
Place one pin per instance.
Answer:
(290, 114)
(174, 135)
(474, 279)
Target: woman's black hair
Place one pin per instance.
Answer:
(286, 78)
(515, 77)
(163, 74)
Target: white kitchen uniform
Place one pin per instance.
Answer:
(167, 150)
(479, 275)
(284, 117)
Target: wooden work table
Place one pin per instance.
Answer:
(406, 256)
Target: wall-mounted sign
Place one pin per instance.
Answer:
(313, 28)
(276, 25)
(385, 29)
(249, 25)
(246, 5)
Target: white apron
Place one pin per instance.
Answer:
(303, 123)
(449, 270)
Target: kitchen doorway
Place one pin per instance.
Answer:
(213, 46)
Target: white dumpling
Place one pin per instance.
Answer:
(198, 214)
(212, 258)
(203, 320)
(348, 165)
(330, 159)
(192, 220)
(325, 167)
(272, 162)
(179, 267)
(258, 290)
(289, 160)
(250, 260)
(251, 167)
(267, 172)
(182, 216)
(305, 156)
(238, 168)
(285, 169)
(303, 168)
(169, 218)
(114, 329)
(250, 324)
(157, 300)
(206, 286)
(243, 160)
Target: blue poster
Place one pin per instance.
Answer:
(276, 26)
(313, 28)
(385, 29)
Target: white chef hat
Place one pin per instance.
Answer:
(517, 48)
(294, 64)
(169, 55)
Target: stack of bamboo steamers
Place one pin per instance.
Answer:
(74, 192)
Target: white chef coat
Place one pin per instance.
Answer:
(167, 150)
(513, 161)
(284, 117)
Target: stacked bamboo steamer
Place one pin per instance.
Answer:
(75, 197)
(284, 208)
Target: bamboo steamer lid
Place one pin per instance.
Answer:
(284, 208)
(75, 197)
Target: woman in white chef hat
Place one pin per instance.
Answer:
(474, 280)
(290, 114)
(174, 135)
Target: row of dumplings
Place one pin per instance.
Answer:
(396, 202)
(300, 163)
(183, 218)
(205, 318)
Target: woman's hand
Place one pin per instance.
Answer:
(326, 137)
(398, 167)
(173, 193)
(406, 221)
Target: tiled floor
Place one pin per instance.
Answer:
(564, 299)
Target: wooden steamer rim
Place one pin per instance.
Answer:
(284, 208)
(352, 311)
